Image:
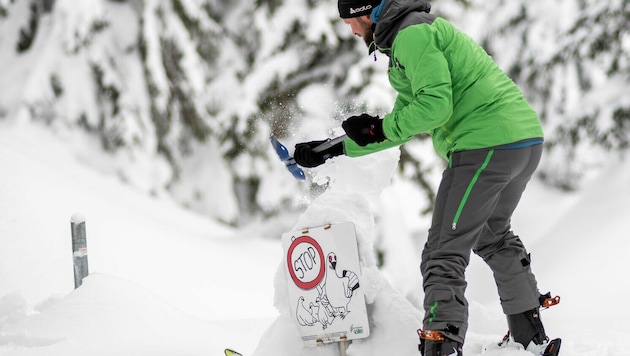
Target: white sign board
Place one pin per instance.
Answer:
(324, 280)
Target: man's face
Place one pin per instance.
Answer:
(361, 26)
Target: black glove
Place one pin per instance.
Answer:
(364, 129)
(306, 157)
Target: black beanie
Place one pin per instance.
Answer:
(356, 8)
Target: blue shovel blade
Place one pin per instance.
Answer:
(283, 153)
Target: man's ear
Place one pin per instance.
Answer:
(366, 18)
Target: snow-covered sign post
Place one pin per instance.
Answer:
(79, 249)
(324, 281)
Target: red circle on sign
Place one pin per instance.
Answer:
(322, 269)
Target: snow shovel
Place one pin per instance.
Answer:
(292, 166)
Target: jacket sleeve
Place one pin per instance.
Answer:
(351, 149)
(421, 75)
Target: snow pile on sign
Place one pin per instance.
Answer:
(351, 197)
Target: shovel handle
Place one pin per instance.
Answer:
(330, 143)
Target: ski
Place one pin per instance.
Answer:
(230, 352)
(553, 348)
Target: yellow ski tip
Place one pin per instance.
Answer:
(229, 352)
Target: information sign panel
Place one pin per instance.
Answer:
(324, 280)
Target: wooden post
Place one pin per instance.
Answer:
(343, 346)
(79, 249)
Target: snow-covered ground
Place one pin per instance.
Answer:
(165, 281)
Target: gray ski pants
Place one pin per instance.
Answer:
(477, 196)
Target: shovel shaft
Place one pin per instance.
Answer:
(330, 143)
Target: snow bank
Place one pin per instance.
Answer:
(168, 282)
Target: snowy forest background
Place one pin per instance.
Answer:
(178, 97)
(128, 110)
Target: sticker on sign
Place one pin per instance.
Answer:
(305, 260)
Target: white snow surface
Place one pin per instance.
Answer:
(165, 281)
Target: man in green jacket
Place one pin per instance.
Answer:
(479, 121)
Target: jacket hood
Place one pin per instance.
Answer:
(395, 16)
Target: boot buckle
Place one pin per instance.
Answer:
(431, 335)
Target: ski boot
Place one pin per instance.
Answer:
(527, 332)
(547, 348)
(434, 343)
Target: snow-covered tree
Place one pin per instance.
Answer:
(572, 58)
(182, 95)
(179, 97)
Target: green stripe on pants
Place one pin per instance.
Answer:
(469, 189)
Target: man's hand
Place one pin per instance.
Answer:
(364, 129)
(306, 157)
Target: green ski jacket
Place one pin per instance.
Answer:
(448, 87)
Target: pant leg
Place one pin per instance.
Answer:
(502, 250)
(469, 193)
(447, 251)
